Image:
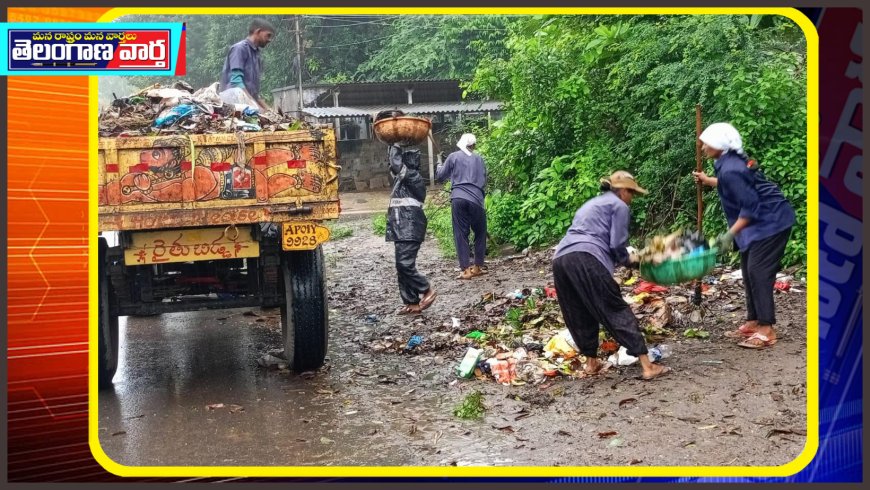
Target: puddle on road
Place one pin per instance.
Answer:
(177, 368)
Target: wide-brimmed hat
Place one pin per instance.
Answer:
(624, 180)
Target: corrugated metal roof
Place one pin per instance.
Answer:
(425, 108)
(375, 82)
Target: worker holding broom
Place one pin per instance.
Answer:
(583, 273)
(760, 219)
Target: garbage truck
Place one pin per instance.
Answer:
(217, 221)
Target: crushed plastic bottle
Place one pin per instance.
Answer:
(469, 362)
(659, 352)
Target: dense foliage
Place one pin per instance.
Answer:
(589, 95)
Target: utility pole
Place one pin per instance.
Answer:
(299, 63)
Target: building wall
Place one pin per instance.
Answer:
(364, 165)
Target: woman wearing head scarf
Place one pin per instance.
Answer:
(583, 273)
(760, 221)
(467, 175)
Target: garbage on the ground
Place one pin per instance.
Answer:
(608, 346)
(733, 275)
(648, 287)
(180, 110)
(622, 358)
(456, 322)
(469, 362)
(566, 334)
(504, 371)
(659, 352)
(782, 285)
(414, 342)
(559, 347)
(372, 319)
(550, 292)
(269, 361)
(530, 318)
(710, 280)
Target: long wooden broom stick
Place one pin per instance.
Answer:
(700, 190)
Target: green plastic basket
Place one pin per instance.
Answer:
(680, 270)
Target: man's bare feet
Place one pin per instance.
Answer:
(651, 371)
(592, 366)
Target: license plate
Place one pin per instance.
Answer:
(302, 235)
(190, 245)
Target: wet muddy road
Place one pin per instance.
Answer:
(189, 390)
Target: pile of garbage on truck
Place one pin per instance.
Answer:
(180, 109)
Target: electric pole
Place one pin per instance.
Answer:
(299, 64)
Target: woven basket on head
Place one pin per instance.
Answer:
(404, 130)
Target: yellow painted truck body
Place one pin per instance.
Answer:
(187, 181)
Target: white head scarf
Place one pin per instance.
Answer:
(465, 141)
(722, 136)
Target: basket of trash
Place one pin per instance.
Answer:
(680, 270)
(402, 130)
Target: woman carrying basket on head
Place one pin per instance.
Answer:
(760, 221)
(583, 273)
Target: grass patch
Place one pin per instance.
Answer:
(337, 231)
(441, 227)
(471, 407)
(379, 224)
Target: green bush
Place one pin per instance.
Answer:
(337, 231)
(379, 224)
(441, 227)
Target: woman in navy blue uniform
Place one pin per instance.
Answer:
(759, 218)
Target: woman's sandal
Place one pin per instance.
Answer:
(757, 341)
(742, 332)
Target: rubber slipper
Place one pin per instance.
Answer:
(664, 372)
(764, 342)
(410, 310)
(427, 301)
(742, 332)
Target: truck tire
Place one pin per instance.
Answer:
(304, 314)
(108, 332)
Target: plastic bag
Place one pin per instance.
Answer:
(559, 347)
(238, 97)
(209, 96)
(173, 115)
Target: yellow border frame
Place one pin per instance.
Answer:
(812, 442)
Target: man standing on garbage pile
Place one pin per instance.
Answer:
(406, 227)
(243, 67)
(583, 273)
(466, 172)
(760, 219)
